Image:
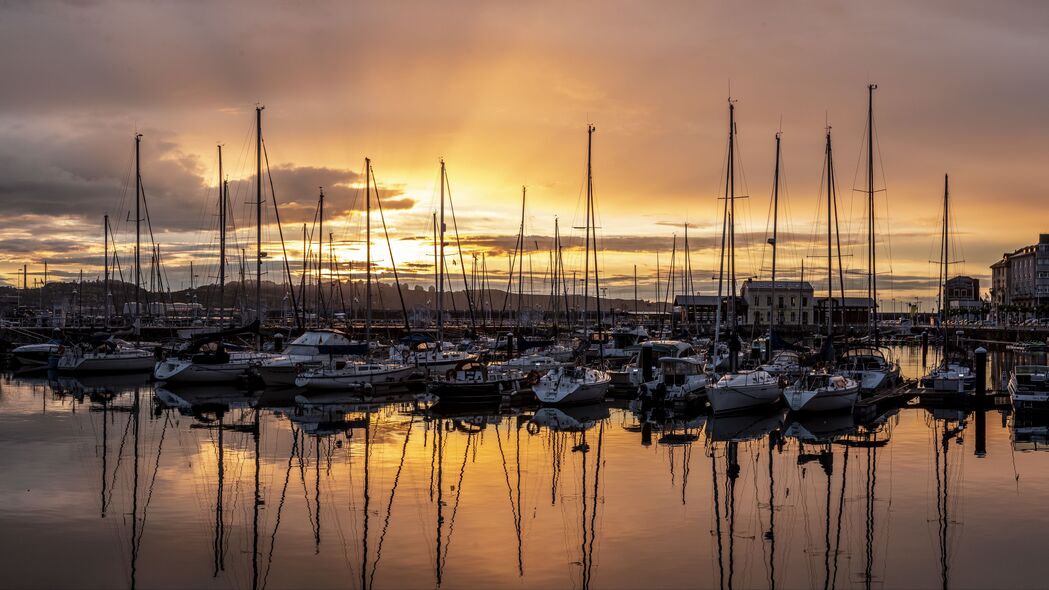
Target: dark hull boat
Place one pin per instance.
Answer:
(471, 382)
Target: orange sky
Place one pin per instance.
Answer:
(504, 92)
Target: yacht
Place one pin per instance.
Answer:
(431, 356)
(870, 367)
(678, 380)
(471, 381)
(212, 362)
(743, 390)
(1029, 387)
(344, 375)
(112, 356)
(312, 350)
(37, 354)
(783, 362)
(822, 392)
(577, 385)
(950, 377)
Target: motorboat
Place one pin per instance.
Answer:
(746, 389)
(431, 356)
(216, 363)
(783, 362)
(311, 350)
(1029, 387)
(678, 380)
(472, 382)
(111, 356)
(871, 367)
(950, 377)
(629, 375)
(37, 354)
(575, 385)
(620, 344)
(344, 375)
(822, 392)
(533, 362)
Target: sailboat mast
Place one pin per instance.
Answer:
(320, 254)
(730, 187)
(105, 268)
(138, 232)
(732, 220)
(944, 260)
(593, 231)
(258, 217)
(440, 267)
(223, 187)
(368, 249)
(586, 263)
(830, 228)
(872, 278)
(775, 235)
(520, 259)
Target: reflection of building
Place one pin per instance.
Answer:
(1020, 280)
(853, 311)
(792, 302)
(702, 309)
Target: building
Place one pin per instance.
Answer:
(1020, 281)
(792, 302)
(963, 297)
(852, 312)
(702, 310)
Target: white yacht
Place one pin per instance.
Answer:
(112, 356)
(533, 362)
(431, 357)
(822, 392)
(576, 385)
(354, 374)
(1029, 387)
(950, 377)
(678, 380)
(312, 350)
(214, 364)
(37, 354)
(743, 390)
(783, 362)
(870, 367)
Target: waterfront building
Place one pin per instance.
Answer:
(1020, 281)
(791, 301)
(701, 310)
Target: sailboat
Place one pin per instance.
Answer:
(871, 365)
(952, 375)
(736, 390)
(112, 355)
(825, 389)
(216, 364)
(341, 371)
(580, 384)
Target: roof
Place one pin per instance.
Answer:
(849, 301)
(711, 300)
(784, 285)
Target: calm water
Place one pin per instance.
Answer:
(116, 484)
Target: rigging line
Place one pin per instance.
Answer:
(280, 231)
(459, 247)
(393, 263)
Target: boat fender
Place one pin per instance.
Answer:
(532, 428)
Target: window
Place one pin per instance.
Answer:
(793, 301)
(793, 317)
(805, 317)
(768, 300)
(804, 302)
(757, 317)
(768, 316)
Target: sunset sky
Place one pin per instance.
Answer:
(504, 92)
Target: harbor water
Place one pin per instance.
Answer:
(116, 482)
